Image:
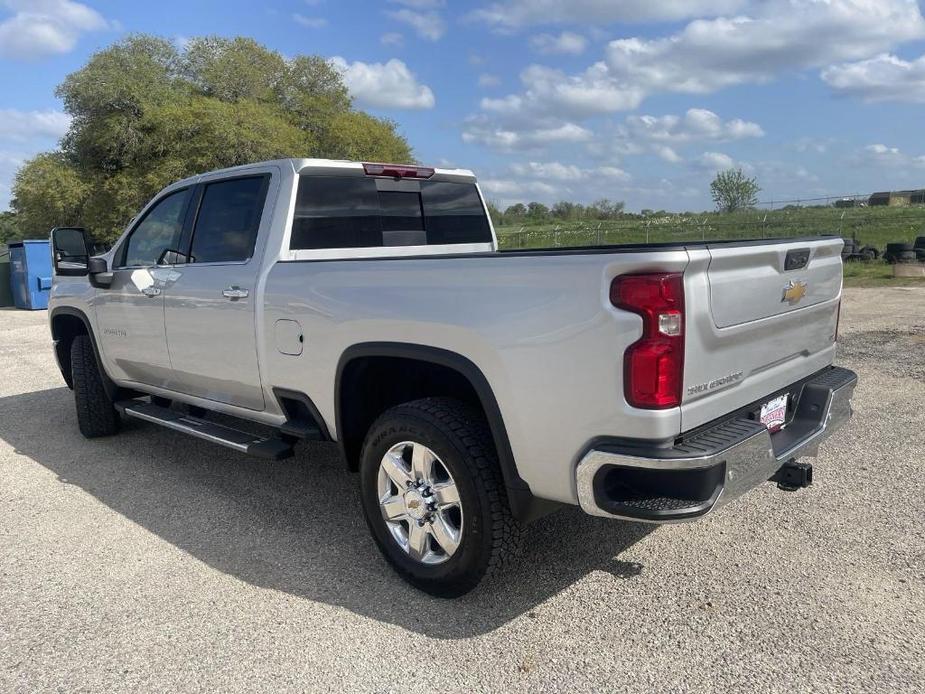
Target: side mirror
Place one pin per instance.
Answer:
(172, 257)
(70, 251)
(100, 277)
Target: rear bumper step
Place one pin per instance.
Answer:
(270, 448)
(672, 483)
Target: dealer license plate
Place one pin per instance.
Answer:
(774, 412)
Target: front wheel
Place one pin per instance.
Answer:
(434, 497)
(95, 414)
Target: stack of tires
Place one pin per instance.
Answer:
(900, 252)
(850, 249)
(919, 247)
(869, 253)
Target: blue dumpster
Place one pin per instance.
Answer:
(30, 273)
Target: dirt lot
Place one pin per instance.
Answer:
(151, 561)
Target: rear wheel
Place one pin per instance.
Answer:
(434, 498)
(96, 415)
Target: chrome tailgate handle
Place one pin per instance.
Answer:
(151, 291)
(235, 293)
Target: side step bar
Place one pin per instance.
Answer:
(270, 448)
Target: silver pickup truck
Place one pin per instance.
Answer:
(474, 390)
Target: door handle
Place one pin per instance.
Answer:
(235, 292)
(151, 291)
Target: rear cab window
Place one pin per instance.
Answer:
(363, 212)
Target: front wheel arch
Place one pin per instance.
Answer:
(67, 323)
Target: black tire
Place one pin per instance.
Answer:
(919, 243)
(95, 414)
(868, 254)
(459, 435)
(894, 251)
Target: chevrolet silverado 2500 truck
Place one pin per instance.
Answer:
(473, 390)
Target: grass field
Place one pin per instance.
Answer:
(876, 226)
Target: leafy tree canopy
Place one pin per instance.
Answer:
(9, 231)
(145, 113)
(732, 190)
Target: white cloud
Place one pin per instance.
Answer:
(696, 125)
(813, 145)
(25, 125)
(384, 85)
(419, 4)
(310, 22)
(481, 131)
(39, 28)
(428, 25)
(667, 153)
(781, 35)
(557, 171)
(707, 55)
(551, 92)
(882, 78)
(512, 14)
(488, 80)
(550, 170)
(613, 172)
(508, 188)
(715, 161)
(567, 42)
(888, 157)
(392, 38)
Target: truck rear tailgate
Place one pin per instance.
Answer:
(760, 316)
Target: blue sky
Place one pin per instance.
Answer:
(638, 100)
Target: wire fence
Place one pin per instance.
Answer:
(875, 219)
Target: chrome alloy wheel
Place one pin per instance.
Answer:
(419, 501)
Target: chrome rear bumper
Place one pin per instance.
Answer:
(716, 464)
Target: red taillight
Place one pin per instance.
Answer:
(653, 366)
(397, 171)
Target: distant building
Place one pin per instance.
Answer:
(898, 198)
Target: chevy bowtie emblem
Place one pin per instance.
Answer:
(793, 292)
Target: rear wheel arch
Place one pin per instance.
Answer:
(366, 373)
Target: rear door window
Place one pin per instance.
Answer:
(228, 220)
(355, 212)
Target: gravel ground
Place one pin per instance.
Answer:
(150, 561)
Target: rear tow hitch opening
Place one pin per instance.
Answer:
(793, 475)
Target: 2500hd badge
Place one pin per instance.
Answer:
(715, 383)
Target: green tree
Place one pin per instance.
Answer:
(497, 216)
(537, 210)
(516, 211)
(9, 230)
(605, 209)
(145, 114)
(732, 190)
(358, 135)
(47, 192)
(563, 209)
